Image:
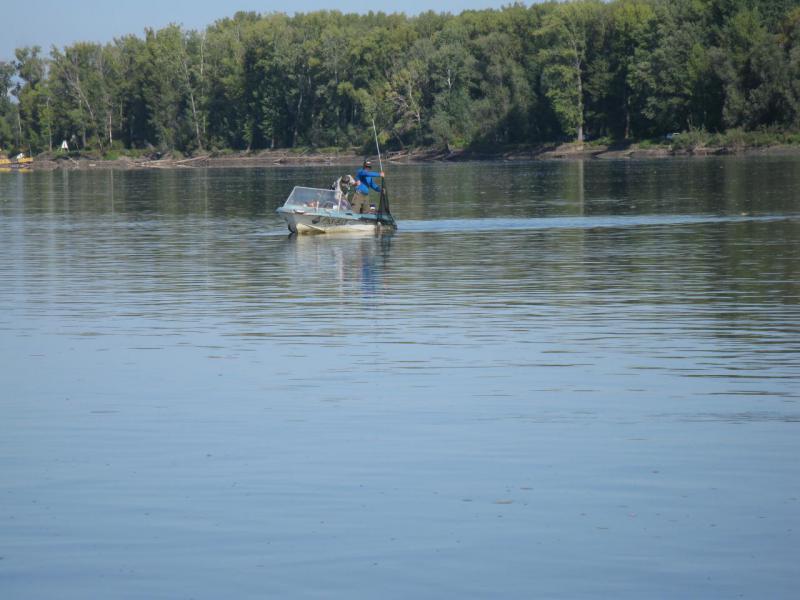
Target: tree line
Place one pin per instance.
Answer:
(555, 71)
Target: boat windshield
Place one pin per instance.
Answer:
(316, 198)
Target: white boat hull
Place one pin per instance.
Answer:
(300, 221)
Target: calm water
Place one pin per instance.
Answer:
(556, 380)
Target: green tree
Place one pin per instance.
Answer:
(789, 38)
(32, 98)
(8, 115)
(751, 67)
(673, 81)
(84, 81)
(631, 32)
(408, 91)
(566, 31)
(453, 79)
(504, 94)
(225, 81)
(171, 78)
(130, 106)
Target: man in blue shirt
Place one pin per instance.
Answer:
(365, 181)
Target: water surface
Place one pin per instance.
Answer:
(558, 379)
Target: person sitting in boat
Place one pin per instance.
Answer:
(365, 179)
(344, 190)
(344, 185)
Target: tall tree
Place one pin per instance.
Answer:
(83, 80)
(631, 33)
(32, 97)
(789, 39)
(8, 114)
(674, 81)
(751, 67)
(453, 79)
(567, 31)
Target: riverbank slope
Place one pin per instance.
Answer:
(271, 158)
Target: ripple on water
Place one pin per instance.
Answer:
(550, 368)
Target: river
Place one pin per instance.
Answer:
(556, 379)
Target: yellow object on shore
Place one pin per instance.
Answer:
(21, 162)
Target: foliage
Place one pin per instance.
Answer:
(554, 71)
(7, 109)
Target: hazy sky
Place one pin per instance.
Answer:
(61, 22)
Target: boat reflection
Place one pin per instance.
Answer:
(350, 262)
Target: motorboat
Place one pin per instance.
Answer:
(313, 210)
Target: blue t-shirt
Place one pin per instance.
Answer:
(365, 181)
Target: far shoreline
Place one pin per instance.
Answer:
(310, 157)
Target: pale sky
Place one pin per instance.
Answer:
(62, 22)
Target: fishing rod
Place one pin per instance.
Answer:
(377, 145)
(383, 177)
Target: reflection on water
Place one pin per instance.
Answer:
(575, 378)
(343, 264)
